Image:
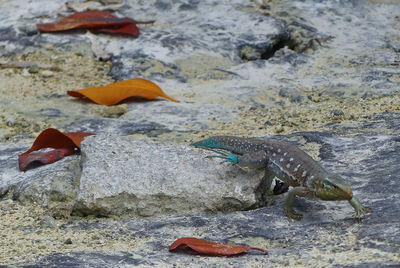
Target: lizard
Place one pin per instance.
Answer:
(288, 163)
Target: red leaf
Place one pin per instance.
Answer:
(52, 138)
(129, 29)
(24, 160)
(211, 248)
(96, 21)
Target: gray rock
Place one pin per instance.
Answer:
(34, 69)
(336, 113)
(28, 29)
(178, 117)
(11, 122)
(50, 112)
(47, 73)
(122, 127)
(291, 93)
(128, 177)
(47, 222)
(327, 229)
(56, 182)
(378, 124)
(193, 52)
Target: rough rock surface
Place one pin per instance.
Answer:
(127, 177)
(43, 185)
(326, 236)
(247, 68)
(199, 55)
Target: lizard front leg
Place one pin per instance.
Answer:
(359, 208)
(250, 160)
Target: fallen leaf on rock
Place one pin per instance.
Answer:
(124, 29)
(64, 143)
(95, 21)
(24, 160)
(116, 92)
(53, 138)
(211, 248)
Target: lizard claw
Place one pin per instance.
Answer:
(293, 215)
(359, 208)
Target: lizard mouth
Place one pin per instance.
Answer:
(349, 194)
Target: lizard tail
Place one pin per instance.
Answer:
(211, 143)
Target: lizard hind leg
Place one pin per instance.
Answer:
(290, 212)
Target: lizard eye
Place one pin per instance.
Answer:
(327, 187)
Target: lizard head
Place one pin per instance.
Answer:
(333, 187)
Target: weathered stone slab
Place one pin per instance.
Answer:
(41, 185)
(326, 236)
(128, 177)
(211, 55)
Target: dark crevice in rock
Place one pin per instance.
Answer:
(265, 51)
(280, 41)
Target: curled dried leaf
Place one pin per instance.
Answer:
(211, 248)
(25, 160)
(116, 92)
(53, 138)
(94, 20)
(64, 143)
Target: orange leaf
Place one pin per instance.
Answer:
(116, 92)
(93, 19)
(211, 248)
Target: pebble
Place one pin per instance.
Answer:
(48, 222)
(33, 69)
(114, 111)
(47, 73)
(10, 122)
(25, 73)
(292, 94)
(336, 113)
(279, 129)
(28, 29)
(249, 53)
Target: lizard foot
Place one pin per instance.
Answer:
(361, 212)
(359, 208)
(293, 215)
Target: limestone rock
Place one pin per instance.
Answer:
(327, 236)
(129, 177)
(42, 185)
